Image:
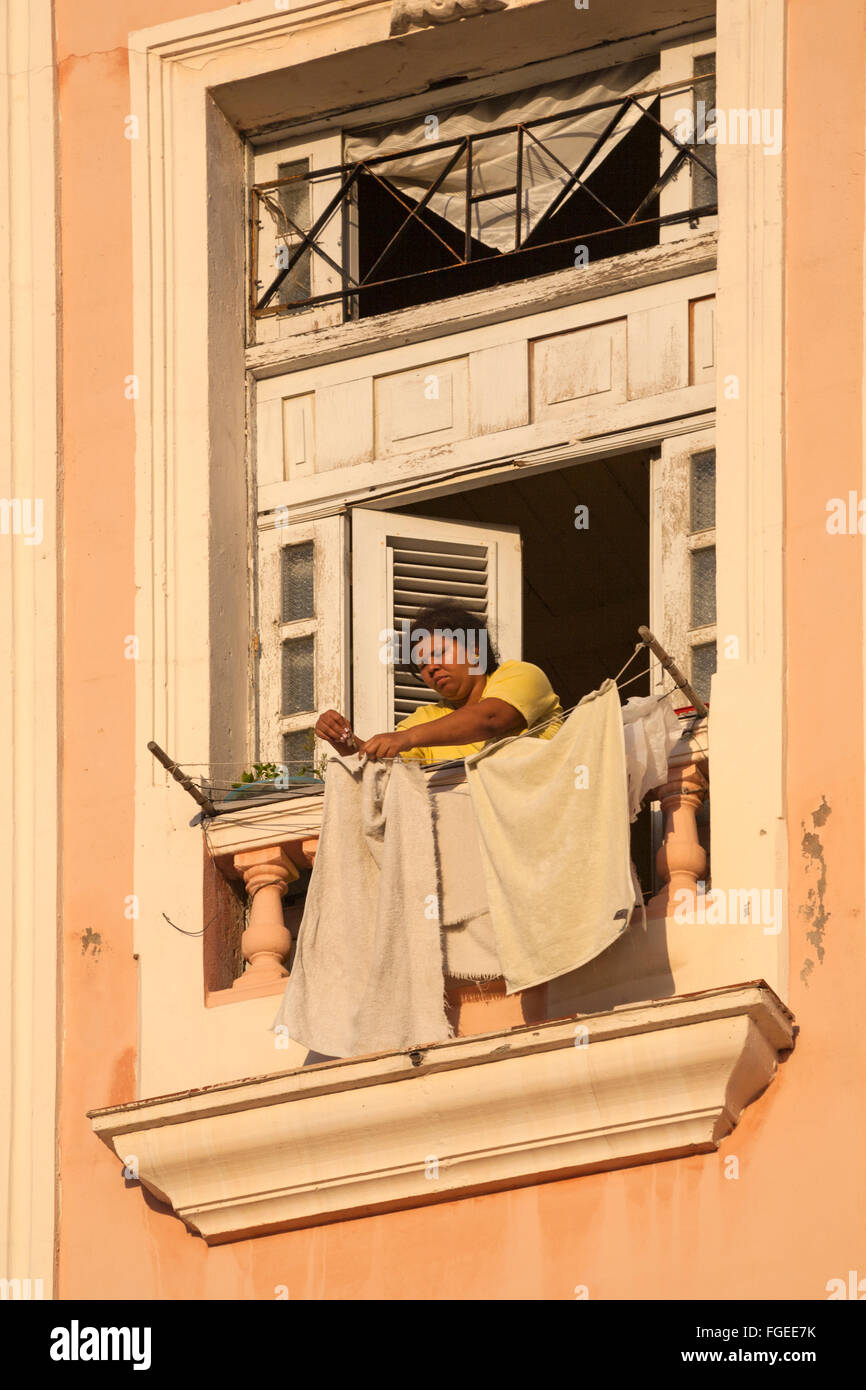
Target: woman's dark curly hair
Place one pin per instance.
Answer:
(452, 618)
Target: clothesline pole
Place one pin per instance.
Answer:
(650, 640)
(179, 776)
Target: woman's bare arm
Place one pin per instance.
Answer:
(477, 723)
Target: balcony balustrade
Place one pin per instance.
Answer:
(268, 846)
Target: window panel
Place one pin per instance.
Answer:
(302, 575)
(703, 667)
(704, 188)
(298, 675)
(703, 490)
(299, 752)
(298, 596)
(703, 576)
(293, 199)
(688, 81)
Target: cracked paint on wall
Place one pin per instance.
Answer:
(813, 909)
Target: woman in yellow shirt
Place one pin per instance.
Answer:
(481, 700)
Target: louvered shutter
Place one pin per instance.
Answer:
(403, 563)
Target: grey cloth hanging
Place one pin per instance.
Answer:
(468, 938)
(367, 974)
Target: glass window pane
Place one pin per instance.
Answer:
(704, 188)
(703, 586)
(297, 582)
(703, 490)
(294, 200)
(298, 752)
(298, 681)
(703, 667)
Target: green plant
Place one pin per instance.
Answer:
(262, 772)
(269, 772)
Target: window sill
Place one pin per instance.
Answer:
(315, 346)
(345, 1139)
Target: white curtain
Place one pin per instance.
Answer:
(494, 160)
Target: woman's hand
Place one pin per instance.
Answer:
(334, 729)
(387, 745)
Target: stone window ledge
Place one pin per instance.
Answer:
(350, 1138)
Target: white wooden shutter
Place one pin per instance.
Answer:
(683, 557)
(302, 665)
(403, 563)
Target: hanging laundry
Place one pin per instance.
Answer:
(569, 893)
(367, 974)
(468, 938)
(651, 729)
(518, 867)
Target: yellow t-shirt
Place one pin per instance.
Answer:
(518, 683)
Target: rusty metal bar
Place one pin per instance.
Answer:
(705, 210)
(566, 170)
(518, 193)
(467, 218)
(650, 640)
(464, 143)
(186, 782)
(416, 210)
(496, 193)
(308, 237)
(396, 196)
(636, 97)
(575, 177)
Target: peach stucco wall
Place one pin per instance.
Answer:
(790, 1221)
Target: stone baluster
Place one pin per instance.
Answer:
(682, 859)
(267, 873)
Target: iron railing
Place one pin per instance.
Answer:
(262, 297)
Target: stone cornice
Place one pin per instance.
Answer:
(478, 1114)
(420, 14)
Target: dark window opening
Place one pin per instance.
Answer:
(585, 591)
(421, 266)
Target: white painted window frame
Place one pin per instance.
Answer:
(677, 61)
(328, 627)
(323, 151)
(173, 66)
(321, 141)
(671, 544)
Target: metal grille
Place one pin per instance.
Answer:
(427, 572)
(307, 243)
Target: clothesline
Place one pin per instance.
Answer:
(438, 765)
(534, 729)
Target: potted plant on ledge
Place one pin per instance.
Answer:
(269, 778)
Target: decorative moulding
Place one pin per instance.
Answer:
(479, 1114)
(420, 14)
